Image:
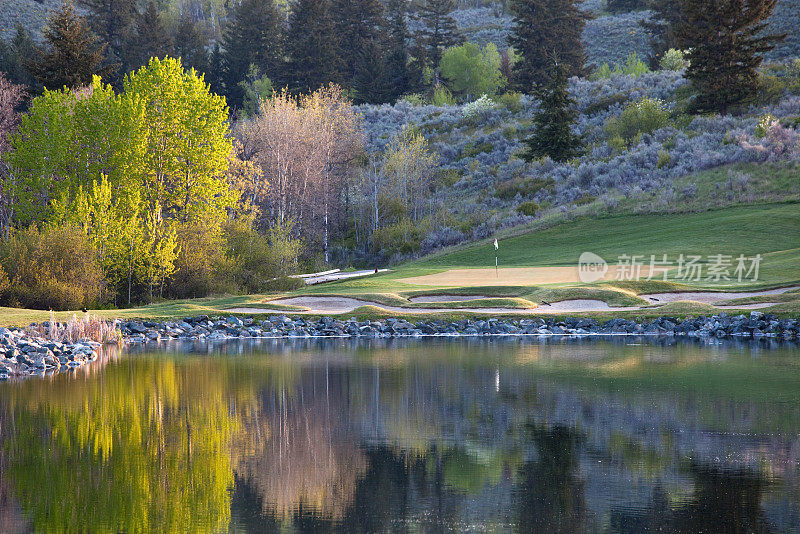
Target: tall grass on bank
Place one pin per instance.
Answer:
(88, 327)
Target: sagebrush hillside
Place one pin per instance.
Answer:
(484, 185)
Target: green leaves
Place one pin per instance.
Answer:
(471, 70)
(131, 169)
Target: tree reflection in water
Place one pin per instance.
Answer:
(550, 493)
(419, 438)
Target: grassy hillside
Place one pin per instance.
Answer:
(729, 231)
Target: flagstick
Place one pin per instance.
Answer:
(496, 270)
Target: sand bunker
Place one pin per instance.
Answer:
(339, 305)
(712, 297)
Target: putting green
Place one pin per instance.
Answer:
(513, 276)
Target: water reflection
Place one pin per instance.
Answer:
(317, 436)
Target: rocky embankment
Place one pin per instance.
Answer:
(25, 354)
(756, 325)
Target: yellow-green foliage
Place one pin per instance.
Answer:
(403, 237)
(261, 261)
(633, 66)
(442, 96)
(132, 171)
(646, 115)
(471, 70)
(673, 59)
(57, 267)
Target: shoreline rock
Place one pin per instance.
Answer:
(23, 354)
(722, 326)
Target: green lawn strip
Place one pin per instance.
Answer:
(609, 295)
(481, 291)
(679, 310)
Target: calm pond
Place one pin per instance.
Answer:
(499, 435)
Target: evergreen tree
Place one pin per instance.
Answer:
(151, 38)
(215, 72)
(74, 54)
(726, 42)
(396, 58)
(312, 46)
(372, 83)
(357, 25)
(190, 45)
(544, 29)
(438, 31)
(254, 37)
(666, 16)
(553, 122)
(16, 57)
(114, 22)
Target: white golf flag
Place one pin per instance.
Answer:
(496, 245)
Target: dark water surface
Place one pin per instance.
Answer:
(409, 436)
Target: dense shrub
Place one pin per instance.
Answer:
(525, 188)
(770, 89)
(261, 261)
(471, 71)
(633, 66)
(56, 267)
(201, 267)
(478, 108)
(442, 96)
(528, 208)
(511, 100)
(673, 60)
(643, 116)
(403, 237)
(605, 103)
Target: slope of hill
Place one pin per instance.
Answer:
(608, 38)
(651, 173)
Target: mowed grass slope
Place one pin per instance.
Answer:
(748, 230)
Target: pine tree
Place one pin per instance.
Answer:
(357, 24)
(74, 54)
(17, 57)
(151, 38)
(312, 46)
(544, 29)
(396, 58)
(190, 45)
(553, 122)
(438, 32)
(372, 83)
(726, 42)
(215, 72)
(254, 37)
(114, 22)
